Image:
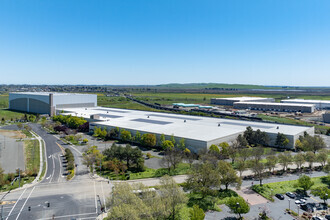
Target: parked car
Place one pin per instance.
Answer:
(307, 207)
(327, 217)
(300, 201)
(317, 218)
(291, 195)
(279, 196)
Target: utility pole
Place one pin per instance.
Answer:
(19, 177)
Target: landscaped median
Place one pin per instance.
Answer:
(71, 165)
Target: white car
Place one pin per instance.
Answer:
(300, 201)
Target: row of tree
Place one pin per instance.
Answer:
(70, 121)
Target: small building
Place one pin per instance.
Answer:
(47, 103)
(278, 107)
(230, 101)
(326, 117)
(319, 104)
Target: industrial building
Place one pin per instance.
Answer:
(319, 104)
(326, 117)
(198, 132)
(47, 103)
(232, 100)
(279, 107)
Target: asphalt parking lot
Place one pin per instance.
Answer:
(275, 210)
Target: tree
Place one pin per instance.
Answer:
(281, 140)
(224, 146)
(240, 166)
(245, 154)
(322, 157)
(285, 159)
(314, 144)
(173, 139)
(172, 157)
(203, 178)
(299, 160)
(148, 140)
(233, 151)
(242, 142)
(248, 135)
(125, 135)
(172, 196)
(167, 145)
(137, 137)
(2, 177)
(238, 205)
(258, 169)
(257, 153)
(310, 158)
(161, 140)
(182, 144)
(323, 192)
(196, 213)
(305, 182)
(214, 150)
(260, 138)
(126, 205)
(228, 175)
(90, 156)
(20, 126)
(271, 162)
(298, 145)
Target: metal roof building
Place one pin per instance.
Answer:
(275, 106)
(319, 104)
(47, 103)
(230, 101)
(198, 132)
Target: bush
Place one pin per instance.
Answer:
(148, 155)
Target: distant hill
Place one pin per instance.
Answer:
(217, 86)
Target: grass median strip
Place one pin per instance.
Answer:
(32, 157)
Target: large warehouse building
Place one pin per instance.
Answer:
(47, 103)
(198, 132)
(232, 100)
(280, 107)
(319, 104)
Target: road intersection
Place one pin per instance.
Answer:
(55, 197)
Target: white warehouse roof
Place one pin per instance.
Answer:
(309, 101)
(242, 99)
(185, 126)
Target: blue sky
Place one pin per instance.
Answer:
(267, 42)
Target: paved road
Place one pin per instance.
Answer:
(78, 198)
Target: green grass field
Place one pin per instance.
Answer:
(32, 156)
(183, 168)
(290, 121)
(282, 187)
(8, 114)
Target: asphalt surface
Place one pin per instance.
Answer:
(11, 154)
(80, 198)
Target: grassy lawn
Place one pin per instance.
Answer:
(27, 133)
(183, 168)
(121, 102)
(32, 156)
(290, 121)
(25, 180)
(211, 202)
(283, 187)
(8, 114)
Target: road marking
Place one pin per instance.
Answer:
(65, 216)
(25, 203)
(48, 177)
(15, 204)
(105, 207)
(315, 199)
(53, 169)
(95, 198)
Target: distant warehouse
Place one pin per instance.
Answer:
(279, 107)
(319, 104)
(232, 100)
(47, 103)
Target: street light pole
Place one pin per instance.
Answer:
(239, 213)
(289, 204)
